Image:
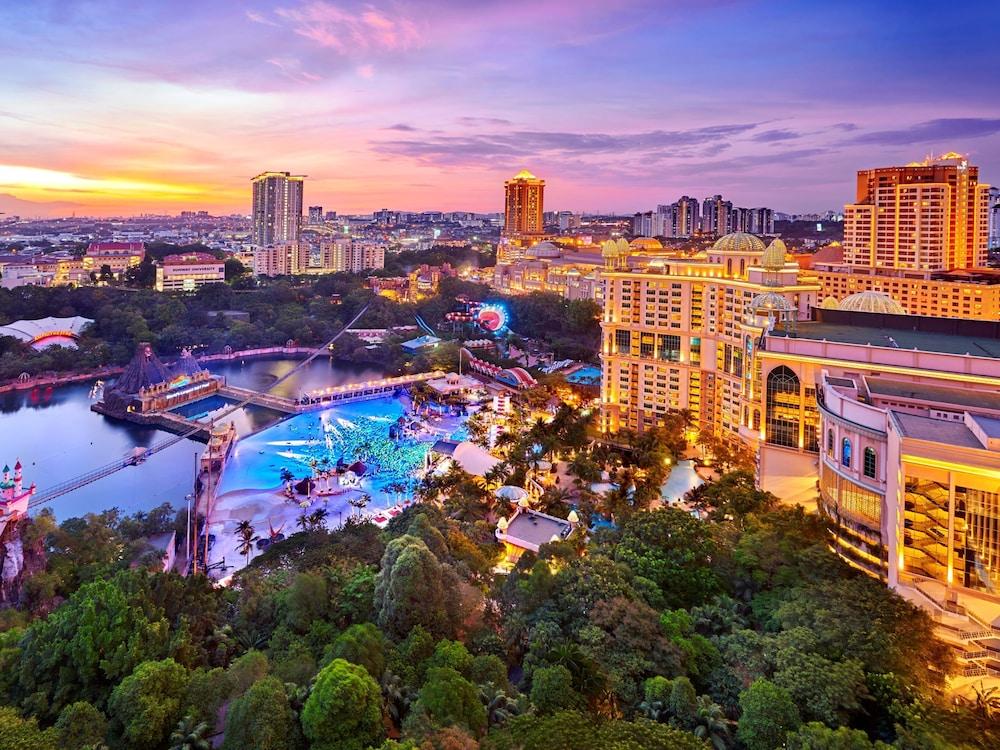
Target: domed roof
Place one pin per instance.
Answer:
(773, 258)
(615, 248)
(738, 242)
(646, 243)
(872, 302)
(830, 303)
(770, 302)
(524, 174)
(543, 250)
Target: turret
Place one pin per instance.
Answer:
(17, 477)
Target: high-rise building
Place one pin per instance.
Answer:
(716, 216)
(684, 217)
(353, 256)
(315, 215)
(994, 207)
(753, 220)
(681, 334)
(277, 208)
(926, 216)
(281, 259)
(524, 197)
(568, 221)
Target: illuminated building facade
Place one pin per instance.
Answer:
(118, 256)
(909, 480)
(188, 271)
(928, 216)
(957, 294)
(681, 333)
(277, 208)
(524, 200)
(994, 220)
(281, 259)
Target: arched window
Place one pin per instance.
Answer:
(743, 266)
(729, 267)
(829, 442)
(871, 462)
(845, 452)
(782, 407)
(756, 419)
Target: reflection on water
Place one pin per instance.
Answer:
(57, 437)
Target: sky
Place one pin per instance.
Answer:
(115, 107)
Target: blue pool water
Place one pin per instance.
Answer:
(347, 433)
(588, 375)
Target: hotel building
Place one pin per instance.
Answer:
(524, 200)
(277, 208)
(920, 234)
(889, 423)
(681, 333)
(188, 271)
(924, 217)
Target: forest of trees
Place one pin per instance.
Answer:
(738, 631)
(305, 310)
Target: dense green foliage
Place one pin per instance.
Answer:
(738, 632)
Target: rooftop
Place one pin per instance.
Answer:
(933, 393)
(891, 338)
(531, 529)
(935, 430)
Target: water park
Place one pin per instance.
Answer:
(357, 459)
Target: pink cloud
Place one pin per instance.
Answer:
(292, 68)
(350, 32)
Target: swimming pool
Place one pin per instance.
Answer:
(344, 434)
(588, 375)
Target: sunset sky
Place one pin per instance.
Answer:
(115, 107)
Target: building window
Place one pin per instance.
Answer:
(623, 341)
(829, 442)
(782, 407)
(845, 452)
(870, 462)
(670, 347)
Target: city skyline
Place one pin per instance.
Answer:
(429, 105)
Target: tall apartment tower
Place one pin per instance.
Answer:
(927, 216)
(523, 205)
(716, 216)
(315, 215)
(277, 207)
(994, 208)
(685, 218)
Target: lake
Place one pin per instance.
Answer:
(57, 437)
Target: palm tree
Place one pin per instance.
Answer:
(317, 517)
(500, 707)
(190, 735)
(303, 522)
(247, 536)
(496, 476)
(554, 499)
(396, 697)
(360, 502)
(653, 710)
(711, 723)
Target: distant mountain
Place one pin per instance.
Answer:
(12, 205)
